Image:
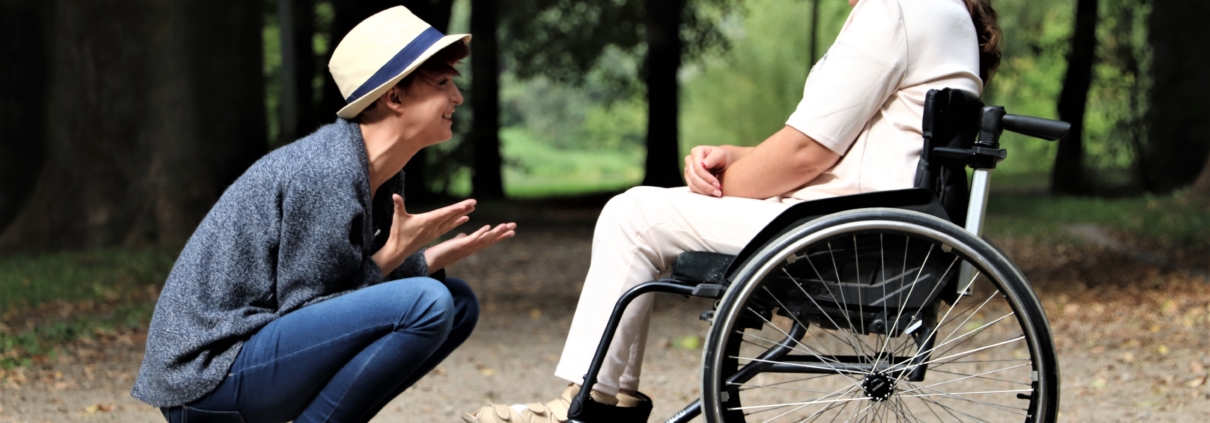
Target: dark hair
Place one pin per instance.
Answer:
(439, 64)
(988, 32)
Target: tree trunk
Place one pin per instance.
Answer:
(296, 117)
(22, 102)
(663, 60)
(153, 109)
(1201, 186)
(1068, 176)
(485, 102)
(348, 14)
(1178, 140)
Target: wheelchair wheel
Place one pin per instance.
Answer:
(858, 316)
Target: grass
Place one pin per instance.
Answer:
(1177, 221)
(29, 280)
(534, 169)
(51, 299)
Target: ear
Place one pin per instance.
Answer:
(393, 99)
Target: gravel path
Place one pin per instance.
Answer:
(1132, 339)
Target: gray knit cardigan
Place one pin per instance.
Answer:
(294, 230)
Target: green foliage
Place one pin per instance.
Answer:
(537, 168)
(746, 94)
(1036, 41)
(565, 41)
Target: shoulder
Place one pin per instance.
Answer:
(936, 18)
(328, 155)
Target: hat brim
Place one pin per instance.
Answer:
(355, 107)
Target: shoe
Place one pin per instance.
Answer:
(600, 408)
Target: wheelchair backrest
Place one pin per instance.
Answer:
(951, 119)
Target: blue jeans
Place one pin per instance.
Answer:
(343, 359)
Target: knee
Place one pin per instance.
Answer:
(428, 306)
(633, 213)
(466, 304)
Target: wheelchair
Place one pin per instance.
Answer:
(876, 306)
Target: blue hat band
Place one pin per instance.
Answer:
(397, 64)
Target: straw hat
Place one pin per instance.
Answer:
(379, 52)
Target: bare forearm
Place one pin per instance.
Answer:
(435, 260)
(787, 160)
(388, 259)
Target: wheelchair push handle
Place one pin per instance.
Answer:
(993, 121)
(1050, 130)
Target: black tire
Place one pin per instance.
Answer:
(856, 316)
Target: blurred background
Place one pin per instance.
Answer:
(122, 121)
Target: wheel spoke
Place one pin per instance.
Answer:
(906, 351)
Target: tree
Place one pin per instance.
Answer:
(297, 115)
(485, 87)
(1069, 176)
(663, 60)
(1201, 186)
(153, 108)
(22, 101)
(1178, 130)
(563, 40)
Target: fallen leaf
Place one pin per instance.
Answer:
(1196, 367)
(1163, 349)
(1072, 308)
(688, 343)
(535, 314)
(1196, 382)
(99, 408)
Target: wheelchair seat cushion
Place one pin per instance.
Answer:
(696, 267)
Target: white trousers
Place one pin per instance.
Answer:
(637, 237)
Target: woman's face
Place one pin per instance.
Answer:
(429, 105)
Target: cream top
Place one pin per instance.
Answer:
(865, 98)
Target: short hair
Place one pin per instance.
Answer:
(439, 64)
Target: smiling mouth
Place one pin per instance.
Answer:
(449, 116)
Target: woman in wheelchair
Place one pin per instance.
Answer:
(857, 129)
(305, 294)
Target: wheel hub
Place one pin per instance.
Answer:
(878, 386)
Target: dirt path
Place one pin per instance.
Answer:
(1132, 340)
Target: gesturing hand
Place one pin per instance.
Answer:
(463, 245)
(702, 166)
(410, 232)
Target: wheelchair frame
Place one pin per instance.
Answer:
(952, 119)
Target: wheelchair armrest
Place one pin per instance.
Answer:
(698, 267)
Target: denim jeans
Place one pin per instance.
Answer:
(343, 359)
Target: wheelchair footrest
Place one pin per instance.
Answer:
(701, 267)
(590, 411)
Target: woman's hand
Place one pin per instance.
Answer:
(410, 232)
(702, 166)
(462, 246)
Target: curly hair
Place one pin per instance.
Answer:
(988, 31)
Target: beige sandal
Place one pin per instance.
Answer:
(553, 411)
(622, 409)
